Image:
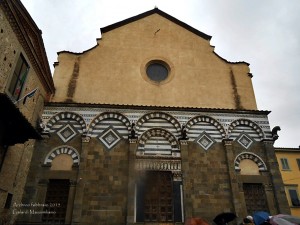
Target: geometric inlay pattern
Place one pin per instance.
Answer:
(205, 141)
(245, 141)
(66, 133)
(109, 138)
(63, 150)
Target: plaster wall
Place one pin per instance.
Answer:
(114, 70)
(290, 176)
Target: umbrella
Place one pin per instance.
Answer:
(292, 219)
(224, 218)
(274, 218)
(287, 218)
(196, 221)
(280, 221)
(260, 216)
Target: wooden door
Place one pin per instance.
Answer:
(255, 198)
(57, 201)
(158, 203)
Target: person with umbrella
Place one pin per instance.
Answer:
(261, 218)
(248, 220)
(224, 218)
(196, 221)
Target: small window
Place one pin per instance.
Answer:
(298, 163)
(294, 197)
(18, 78)
(285, 164)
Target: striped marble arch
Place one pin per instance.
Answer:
(61, 119)
(109, 119)
(158, 141)
(199, 124)
(64, 149)
(156, 120)
(249, 155)
(253, 130)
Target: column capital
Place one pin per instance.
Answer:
(227, 141)
(45, 135)
(132, 140)
(183, 142)
(268, 141)
(85, 139)
(43, 182)
(177, 175)
(73, 182)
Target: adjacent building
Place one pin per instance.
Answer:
(25, 84)
(151, 126)
(289, 164)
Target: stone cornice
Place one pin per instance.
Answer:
(153, 107)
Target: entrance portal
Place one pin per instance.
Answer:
(158, 202)
(255, 198)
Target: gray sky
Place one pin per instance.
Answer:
(265, 34)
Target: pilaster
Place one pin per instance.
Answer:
(81, 182)
(281, 204)
(131, 181)
(71, 197)
(238, 207)
(41, 197)
(187, 201)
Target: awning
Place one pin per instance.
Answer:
(15, 128)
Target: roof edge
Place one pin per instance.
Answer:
(172, 108)
(150, 12)
(225, 60)
(285, 149)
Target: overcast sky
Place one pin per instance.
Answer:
(266, 34)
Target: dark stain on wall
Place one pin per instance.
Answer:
(236, 96)
(73, 81)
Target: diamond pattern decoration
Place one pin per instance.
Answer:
(66, 133)
(205, 141)
(245, 141)
(109, 138)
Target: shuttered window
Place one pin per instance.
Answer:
(284, 164)
(18, 78)
(294, 197)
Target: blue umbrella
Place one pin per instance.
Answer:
(260, 216)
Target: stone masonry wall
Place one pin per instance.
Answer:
(206, 181)
(9, 46)
(104, 184)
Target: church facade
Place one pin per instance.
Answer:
(151, 126)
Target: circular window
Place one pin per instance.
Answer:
(157, 71)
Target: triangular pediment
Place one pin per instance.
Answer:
(118, 69)
(149, 13)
